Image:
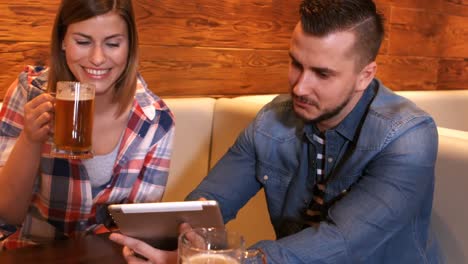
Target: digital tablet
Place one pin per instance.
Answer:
(158, 223)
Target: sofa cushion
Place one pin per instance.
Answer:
(448, 107)
(232, 115)
(449, 216)
(191, 152)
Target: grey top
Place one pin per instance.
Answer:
(100, 167)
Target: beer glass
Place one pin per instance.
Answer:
(254, 256)
(215, 246)
(74, 112)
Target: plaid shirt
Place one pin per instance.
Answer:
(62, 204)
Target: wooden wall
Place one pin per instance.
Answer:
(231, 47)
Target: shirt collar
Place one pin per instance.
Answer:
(149, 104)
(349, 126)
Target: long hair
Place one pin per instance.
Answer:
(322, 17)
(73, 11)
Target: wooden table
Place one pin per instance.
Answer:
(89, 249)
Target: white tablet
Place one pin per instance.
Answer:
(158, 223)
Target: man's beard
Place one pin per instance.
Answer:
(328, 114)
(332, 113)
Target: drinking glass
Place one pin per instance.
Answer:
(254, 256)
(216, 246)
(74, 112)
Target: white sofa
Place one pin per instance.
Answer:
(206, 127)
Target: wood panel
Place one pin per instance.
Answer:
(424, 4)
(227, 71)
(453, 74)
(409, 36)
(15, 56)
(229, 23)
(408, 73)
(26, 22)
(454, 7)
(454, 39)
(231, 47)
(261, 24)
(439, 35)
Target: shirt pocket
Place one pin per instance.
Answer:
(275, 182)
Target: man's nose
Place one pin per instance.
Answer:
(304, 84)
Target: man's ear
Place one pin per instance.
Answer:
(366, 75)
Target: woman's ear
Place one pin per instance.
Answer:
(63, 46)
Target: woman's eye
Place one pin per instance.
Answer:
(113, 45)
(83, 42)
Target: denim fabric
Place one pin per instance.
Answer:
(380, 167)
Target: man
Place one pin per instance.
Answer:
(350, 164)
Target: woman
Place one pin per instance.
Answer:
(50, 198)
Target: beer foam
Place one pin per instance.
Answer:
(69, 90)
(70, 96)
(204, 258)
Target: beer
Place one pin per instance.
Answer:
(73, 124)
(206, 258)
(74, 113)
(210, 246)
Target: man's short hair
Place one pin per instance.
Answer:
(323, 17)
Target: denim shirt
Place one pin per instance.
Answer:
(380, 167)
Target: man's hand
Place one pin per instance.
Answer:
(153, 255)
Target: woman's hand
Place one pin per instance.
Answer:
(38, 117)
(153, 255)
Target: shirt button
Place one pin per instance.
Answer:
(330, 160)
(265, 177)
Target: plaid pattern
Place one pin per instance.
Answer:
(62, 204)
